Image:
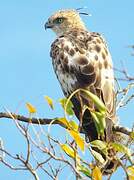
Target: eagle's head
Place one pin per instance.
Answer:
(64, 21)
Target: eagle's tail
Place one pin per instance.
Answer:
(90, 131)
(112, 156)
(110, 164)
(110, 167)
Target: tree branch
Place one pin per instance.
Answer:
(42, 121)
(125, 73)
(46, 121)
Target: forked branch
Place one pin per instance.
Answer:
(53, 121)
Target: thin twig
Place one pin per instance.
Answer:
(12, 167)
(126, 77)
(29, 167)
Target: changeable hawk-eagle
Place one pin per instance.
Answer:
(81, 59)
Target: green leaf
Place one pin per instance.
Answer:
(132, 135)
(100, 145)
(69, 106)
(97, 156)
(85, 171)
(96, 120)
(102, 121)
(99, 123)
(121, 148)
(99, 104)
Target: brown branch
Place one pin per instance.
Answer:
(46, 121)
(42, 121)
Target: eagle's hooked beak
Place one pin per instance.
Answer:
(48, 25)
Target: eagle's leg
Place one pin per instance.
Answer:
(86, 124)
(89, 128)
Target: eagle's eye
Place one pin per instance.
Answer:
(59, 20)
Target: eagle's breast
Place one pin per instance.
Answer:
(62, 54)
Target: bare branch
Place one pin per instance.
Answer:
(125, 73)
(124, 168)
(12, 167)
(124, 100)
(126, 77)
(29, 167)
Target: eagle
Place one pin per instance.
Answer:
(81, 59)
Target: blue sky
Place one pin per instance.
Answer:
(26, 72)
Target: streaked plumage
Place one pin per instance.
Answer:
(81, 60)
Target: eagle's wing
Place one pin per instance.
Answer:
(81, 60)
